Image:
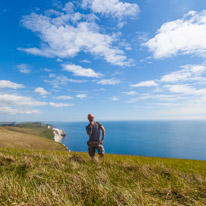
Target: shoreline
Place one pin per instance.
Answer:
(59, 134)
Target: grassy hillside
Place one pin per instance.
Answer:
(37, 171)
(35, 128)
(26, 138)
(67, 178)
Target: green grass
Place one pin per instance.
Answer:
(69, 178)
(36, 171)
(32, 128)
(29, 124)
(26, 138)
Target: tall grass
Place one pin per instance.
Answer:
(46, 178)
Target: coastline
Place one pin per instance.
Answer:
(169, 139)
(59, 134)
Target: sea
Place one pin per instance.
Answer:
(172, 139)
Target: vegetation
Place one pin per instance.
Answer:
(68, 178)
(37, 171)
(14, 137)
(30, 124)
(35, 128)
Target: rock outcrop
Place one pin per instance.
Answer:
(59, 134)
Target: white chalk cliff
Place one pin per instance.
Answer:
(59, 134)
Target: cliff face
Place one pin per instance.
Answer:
(59, 134)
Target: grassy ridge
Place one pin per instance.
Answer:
(32, 128)
(26, 138)
(68, 178)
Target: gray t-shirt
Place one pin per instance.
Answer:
(94, 132)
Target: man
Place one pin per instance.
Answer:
(93, 130)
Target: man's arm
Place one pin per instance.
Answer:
(103, 134)
(89, 131)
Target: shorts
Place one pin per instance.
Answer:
(95, 145)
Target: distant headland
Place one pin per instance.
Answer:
(53, 133)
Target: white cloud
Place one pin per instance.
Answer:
(52, 75)
(185, 89)
(142, 36)
(115, 98)
(115, 8)
(64, 97)
(9, 84)
(176, 76)
(121, 24)
(80, 71)
(76, 81)
(53, 104)
(196, 69)
(41, 91)
(183, 36)
(24, 68)
(81, 96)
(61, 80)
(109, 81)
(116, 73)
(180, 89)
(99, 90)
(13, 111)
(85, 61)
(125, 45)
(167, 104)
(69, 7)
(11, 104)
(158, 97)
(176, 99)
(16, 100)
(62, 39)
(187, 111)
(145, 84)
(59, 60)
(146, 59)
(52, 12)
(188, 73)
(130, 93)
(47, 70)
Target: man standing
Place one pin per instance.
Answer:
(93, 130)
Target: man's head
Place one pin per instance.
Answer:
(90, 117)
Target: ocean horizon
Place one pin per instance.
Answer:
(185, 139)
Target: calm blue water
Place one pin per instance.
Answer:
(175, 139)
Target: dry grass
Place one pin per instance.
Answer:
(17, 139)
(34, 129)
(36, 171)
(62, 178)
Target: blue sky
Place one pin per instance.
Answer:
(120, 60)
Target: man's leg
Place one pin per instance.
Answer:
(100, 150)
(101, 155)
(91, 149)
